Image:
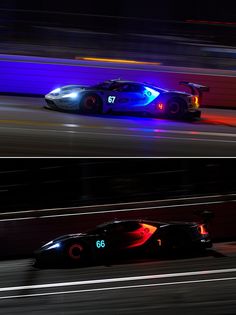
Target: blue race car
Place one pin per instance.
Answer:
(121, 96)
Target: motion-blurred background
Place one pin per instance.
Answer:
(44, 183)
(174, 33)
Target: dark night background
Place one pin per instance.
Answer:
(168, 9)
(44, 183)
(175, 33)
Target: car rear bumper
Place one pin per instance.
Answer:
(203, 243)
(193, 114)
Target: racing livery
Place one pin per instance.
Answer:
(121, 96)
(124, 238)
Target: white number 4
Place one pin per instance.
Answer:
(111, 99)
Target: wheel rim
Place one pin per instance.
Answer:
(174, 108)
(75, 251)
(90, 103)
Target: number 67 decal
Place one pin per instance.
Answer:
(111, 99)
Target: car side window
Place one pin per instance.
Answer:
(111, 228)
(116, 86)
(134, 88)
(120, 228)
(125, 88)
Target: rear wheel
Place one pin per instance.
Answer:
(90, 104)
(177, 243)
(176, 108)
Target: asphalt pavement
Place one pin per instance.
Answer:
(28, 129)
(205, 285)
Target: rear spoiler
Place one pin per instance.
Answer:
(195, 89)
(205, 216)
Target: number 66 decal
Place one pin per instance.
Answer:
(111, 99)
(100, 244)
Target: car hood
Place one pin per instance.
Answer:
(71, 88)
(67, 89)
(62, 239)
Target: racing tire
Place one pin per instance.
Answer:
(177, 243)
(175, 108)
(90, 104)
(180, 242)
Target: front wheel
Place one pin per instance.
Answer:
(90, 104)
(75, 253)
(176, 108)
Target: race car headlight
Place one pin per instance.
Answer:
(55, 245)
(71, 95)
(56, 91)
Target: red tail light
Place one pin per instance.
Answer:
(202, 229)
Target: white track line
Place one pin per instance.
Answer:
(117, 288)
(113, 280)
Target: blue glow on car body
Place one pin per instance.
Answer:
(151, 95)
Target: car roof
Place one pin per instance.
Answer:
(151, 222)
(128, 221)
(148, 84)
(128, 81)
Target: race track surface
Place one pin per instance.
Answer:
(200, 285)
(28, 129)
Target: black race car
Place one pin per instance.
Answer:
(122, 96)
(120, 239)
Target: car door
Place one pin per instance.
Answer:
(124, 235)
(135, 96)
(115, 99)
(125, 97)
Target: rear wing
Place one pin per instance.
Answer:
(205, 216)
(195, 89)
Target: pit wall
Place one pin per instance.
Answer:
(38, 76)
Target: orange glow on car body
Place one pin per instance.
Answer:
(140, 236)
(195, 100)
(202, 229)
